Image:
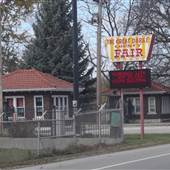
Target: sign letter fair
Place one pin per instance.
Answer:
(129, 48)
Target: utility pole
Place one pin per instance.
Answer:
(1, 93)
(98, 88)
(75, 56)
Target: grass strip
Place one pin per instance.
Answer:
(17, 157)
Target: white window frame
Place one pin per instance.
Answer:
(135, 107)
(165, 107)
(67, 105)
(134, 103)
(35, 107)
(15, 105)
(149, 107)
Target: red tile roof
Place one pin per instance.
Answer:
(33, 80)
(155, 88)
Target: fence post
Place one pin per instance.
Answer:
(1, 122)
(99, 114)
(74, 125)
(38, 138)
(14, 117)
(99, 123)
(53, 125)
(75, 113)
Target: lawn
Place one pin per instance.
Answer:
(10, 157)
(134, 141)
(14, 157)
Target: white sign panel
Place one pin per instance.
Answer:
(129, 48)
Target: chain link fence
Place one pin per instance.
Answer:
(105, 123)
(60, 131)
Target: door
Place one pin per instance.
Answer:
(62, 113)
(61, 104)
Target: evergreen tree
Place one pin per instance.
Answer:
(51, 49)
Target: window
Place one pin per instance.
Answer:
(38, 106)
(20, 107)
(61, 103)
(166, 104)
(16, 104)
(137, 105)
(151, 105)
(134, 102)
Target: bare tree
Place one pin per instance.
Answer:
(131, 17)
(118, 20)
(154, 17)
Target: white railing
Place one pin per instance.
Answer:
(1, 120)
(42, 117)
(1, 116)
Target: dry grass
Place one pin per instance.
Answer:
(16, 157)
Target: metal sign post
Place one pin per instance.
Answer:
(141, 109)
(136, 48)
(141, 114)
(75, 53)
(122, 110)
(1, 89)
(98, 86)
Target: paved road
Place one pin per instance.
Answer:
(151, 158)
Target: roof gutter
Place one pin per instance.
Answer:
(136, 93)
(39, 89)
(146, 92)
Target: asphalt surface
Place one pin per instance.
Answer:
(151, 158)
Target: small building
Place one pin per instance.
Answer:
(156, 102)
(30, 93)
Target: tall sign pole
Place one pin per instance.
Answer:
(136, 48)
(1, 94)
(75, 56)
(141, 109)
(98, 88)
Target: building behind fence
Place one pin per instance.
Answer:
(95, 124)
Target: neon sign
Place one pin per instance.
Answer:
(130, 78)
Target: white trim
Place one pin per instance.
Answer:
(7, 97)
(59, 96)
(63, 97)
(15, 103)
(136, 93)
(135, 104)
(35, 107)
(39, 89)
(165, 104)
(149, 108)
(148, 92)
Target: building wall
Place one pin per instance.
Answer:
(165, 109)
(29, 106)
(48, 101)
(145, 105)
(147, 115)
